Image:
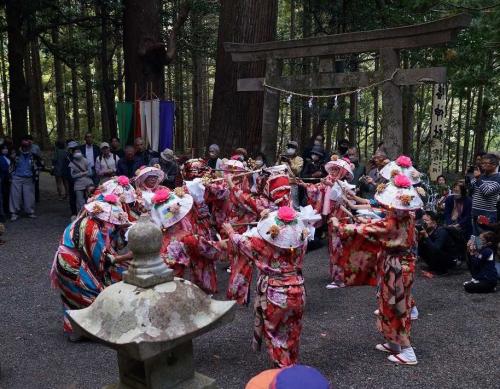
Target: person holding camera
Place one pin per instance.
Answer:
(435, 245)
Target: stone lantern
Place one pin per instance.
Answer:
(151, 318)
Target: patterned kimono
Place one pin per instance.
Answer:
(396, 235)
(280, 295)
(82, 268)
(182, 248)
(217, 199)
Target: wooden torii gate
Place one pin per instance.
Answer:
(386, 42)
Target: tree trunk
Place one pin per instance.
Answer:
(198, 135)
(58, 76)
(420, 110)
(484, 113)
(408, 118)
(447, 140)
(108, 111)
(5, 89)
(459, 132)
(119, 72)
(375, 111)
(89, 97)
(237, 118)
(18, 92)
(179, 109)
(75, 101)
(305, 128)
(470, 103)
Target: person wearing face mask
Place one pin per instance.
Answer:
(81, 174)
(457, 210)
(296, 165)
(317, 141)
(169, 167)
(435, 245)
(25, 170)
(314, 168)
(259, 163)
(482, 263)
(214, 161)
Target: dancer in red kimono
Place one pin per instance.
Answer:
(182, 248)
(277, 247)
(86, 255)
(396, 234)
(147, 181)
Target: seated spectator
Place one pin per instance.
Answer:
(436, 246)
(482, 264)
(169, 167)
(126, 166)
(314, 167)
(213, 160)
(457, 210)
(144, 156)
(105, 163)
(342, 147)
(316, 141)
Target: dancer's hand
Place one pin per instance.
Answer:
(335, 222)
(228, 228)
(265, 213)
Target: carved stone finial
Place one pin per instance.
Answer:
(147, 268)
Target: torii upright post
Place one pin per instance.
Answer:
(386, 42)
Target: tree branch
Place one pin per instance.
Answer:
(176, 29)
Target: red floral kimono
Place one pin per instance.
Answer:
(182, 248)
(280, 295)
(217, 199)
(396, 235)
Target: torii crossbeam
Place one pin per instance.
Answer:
(386, 42)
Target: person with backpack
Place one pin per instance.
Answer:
(106, 163)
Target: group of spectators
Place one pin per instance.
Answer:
(79, 168)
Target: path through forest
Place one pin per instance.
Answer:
(456, 337)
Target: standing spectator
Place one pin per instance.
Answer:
(296, 165)
(58, 169)
(169, 167)
(260, 163)
(105, 164)
(116, 147)
(482, 264)
(81, 172)
(214, 161)
(316, 141)
(368, 185)
(469, 174)
(126, 166)
(485, 192)
(359, 168)
(144, 156)
(342, 147)
(24, 174)
(4, 181)
(35, 149)
(457, 210)
(90, 152)
(72, 147)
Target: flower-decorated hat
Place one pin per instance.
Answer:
(147, 171)
(283, 228)
(344, 165)
(399, 194)
(402, 165)
(169, 207)
(194, 168)
(108, 211)
(121, 187)
(233, 166)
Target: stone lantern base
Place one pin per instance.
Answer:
(172, 369)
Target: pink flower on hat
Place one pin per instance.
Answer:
(401, 181)
(123, 181)
(404, 161)
(161, 196)
(111, 198)
(286, 214)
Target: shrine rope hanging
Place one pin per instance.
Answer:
(357, 90)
